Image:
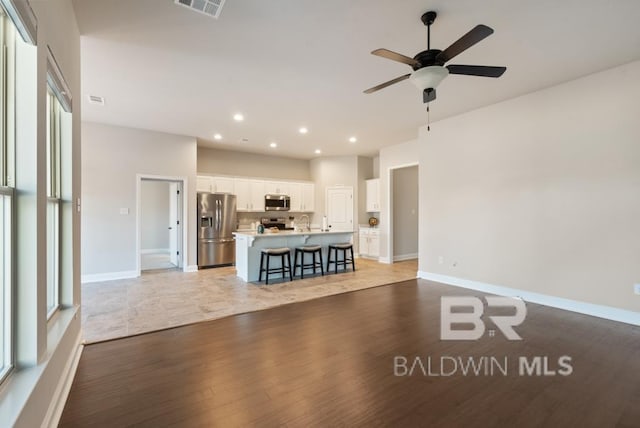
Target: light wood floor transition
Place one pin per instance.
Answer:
(336, 361)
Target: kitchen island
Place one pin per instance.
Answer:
(249, 245)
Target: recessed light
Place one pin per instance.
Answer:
(217, 137)
(273, 145)
(303, 130)
(318, 151)
(238, 117)
(352, 139)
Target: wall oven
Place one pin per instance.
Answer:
(277, 203)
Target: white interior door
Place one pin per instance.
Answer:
(340, 208)
(174, 223)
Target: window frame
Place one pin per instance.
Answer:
(7, 194)
(54, 201)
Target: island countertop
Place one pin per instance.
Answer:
(286, 233)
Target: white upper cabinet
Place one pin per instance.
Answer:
(276, 188)
(295, 193)
(242, 187)
(373, 195)
(257, 195)
(223, 185)
(249, 195)
(203, 184)
(302, 197)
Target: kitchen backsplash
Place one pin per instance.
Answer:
(246, 219)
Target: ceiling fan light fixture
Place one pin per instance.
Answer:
(428, 77)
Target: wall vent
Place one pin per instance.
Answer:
(208, 7)
(94, 99)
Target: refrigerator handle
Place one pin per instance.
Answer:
(219, 214)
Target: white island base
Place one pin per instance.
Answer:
(249, 245)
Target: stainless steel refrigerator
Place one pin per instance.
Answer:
(216, 222)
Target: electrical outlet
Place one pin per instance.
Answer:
(636, 288)
(440, 260)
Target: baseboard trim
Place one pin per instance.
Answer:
(155, 251)
(109, 276)
(403, 257)
(190, 268)
(386, 260)
(54, 413)
(600, 311)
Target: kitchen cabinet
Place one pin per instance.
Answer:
(203, 183)
(223, 185)
(369, 243)
(276, 188)
(295, 193)
(242, 188)
(302, 197)
(308, 197)
(250, 192)
(249, 195)
(373, 195)
(257, 195)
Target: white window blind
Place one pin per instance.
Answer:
(58, 85)
(23, 18)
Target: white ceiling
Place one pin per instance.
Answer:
(284, 64)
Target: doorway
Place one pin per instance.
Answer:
(160, 224)
(404, 213)
(340, 208)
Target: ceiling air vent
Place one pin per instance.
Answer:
(208, 7)
(94, 99)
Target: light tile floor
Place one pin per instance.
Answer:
(163, 299)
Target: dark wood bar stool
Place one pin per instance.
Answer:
(345, 259)
(275, 252)
(308, 249)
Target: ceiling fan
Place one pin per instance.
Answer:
(429, 66)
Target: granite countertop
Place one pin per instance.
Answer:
(269, 234)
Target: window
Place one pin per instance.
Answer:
(7, 182)
(54, 125)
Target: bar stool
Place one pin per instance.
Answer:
(345, 260)
(308, 249)
(275, 252)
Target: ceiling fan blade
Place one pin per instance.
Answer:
(476, 70)
(478, 33)
(389, 83)
(386, 53)
(428, 95)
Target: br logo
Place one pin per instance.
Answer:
(505, 323)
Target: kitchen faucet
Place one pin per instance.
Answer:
(307, 224)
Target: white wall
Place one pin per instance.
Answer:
(405, 212)
(540, 193)
(400, 155)
(112, 157)
(154, 214)
(229, 162)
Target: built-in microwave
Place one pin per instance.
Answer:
(277, 203)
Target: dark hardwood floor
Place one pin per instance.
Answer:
(330, 362)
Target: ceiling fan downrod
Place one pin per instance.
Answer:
(427, 19)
